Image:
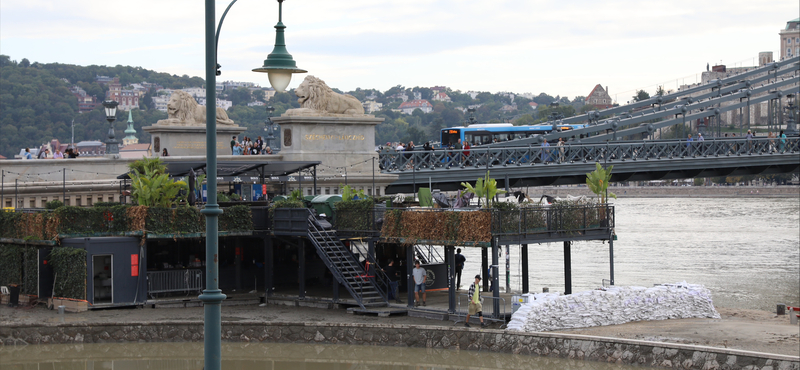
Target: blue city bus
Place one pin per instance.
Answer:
(481, 134)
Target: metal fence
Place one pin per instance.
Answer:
(494, 309)
(573, 152)
(174, 281)
(559, 218)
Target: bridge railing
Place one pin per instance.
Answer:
(570, 152)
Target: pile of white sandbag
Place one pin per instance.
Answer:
(611, 306)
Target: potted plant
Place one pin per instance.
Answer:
(598, 181)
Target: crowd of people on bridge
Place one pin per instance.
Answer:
(249, 147)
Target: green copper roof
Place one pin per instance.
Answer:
(792, 21)
(130, 130)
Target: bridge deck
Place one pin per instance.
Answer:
(568, 164)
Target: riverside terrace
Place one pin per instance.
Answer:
(137, 255)
(634, 160)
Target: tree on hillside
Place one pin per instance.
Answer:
(641, 95)
(543, 99)
(260, 95)
(240, 96)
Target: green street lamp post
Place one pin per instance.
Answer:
(280, 66)
(112, 145)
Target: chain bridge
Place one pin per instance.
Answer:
(531, 162)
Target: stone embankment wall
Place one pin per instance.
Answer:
(672, 191)
(579, 347)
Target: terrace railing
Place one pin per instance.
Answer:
(563, 219)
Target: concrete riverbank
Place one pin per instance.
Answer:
(665, 345)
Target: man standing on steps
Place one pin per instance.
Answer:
(420, 275)
(460, 260)
(475, 306)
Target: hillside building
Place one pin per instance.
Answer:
(790, 39)
(421, 104)
(599, 98)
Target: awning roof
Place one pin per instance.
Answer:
(236, 168)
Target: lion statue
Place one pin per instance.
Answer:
(316, 97)
(183, 110)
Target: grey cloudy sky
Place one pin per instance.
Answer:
(557, 47)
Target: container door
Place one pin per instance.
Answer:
(102, 277)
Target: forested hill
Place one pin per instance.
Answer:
(36, 105)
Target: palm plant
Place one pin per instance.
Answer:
(484, 187)
(152, 186)
(598, 181)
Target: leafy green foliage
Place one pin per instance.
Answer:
(30, 270)
(641, 95)
(53, 204)
(10, 264)
(152, 187)
(236, 218)
(484, 188)
(355, 214)
(296, 194)
(69, 268)
(598, 181)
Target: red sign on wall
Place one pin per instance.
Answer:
(134, 265)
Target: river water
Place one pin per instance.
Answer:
(273, 356)
(745, 250)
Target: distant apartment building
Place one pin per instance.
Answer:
(533, 105)
(421, 104)
(790, 39)
(599, 98)
(161, 100)
(473, 94)
(103, 80)
(127, 99)
(371, 106)
(196, 92)
(221, 103)
(86, 103)
(237, 84)
(440, 96)
(91, 148)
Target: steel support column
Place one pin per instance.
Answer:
(410, 275)
(611, 257)
(567, 268)
(301, 268)
(485, 268)
(450, 257)
(212, 296)
(495, 278)
(237, 263)
(525, 287)
(268, 266)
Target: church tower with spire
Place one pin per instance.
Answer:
(130, 132)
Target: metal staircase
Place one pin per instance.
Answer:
(369, 289)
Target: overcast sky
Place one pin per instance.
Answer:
(557, 47)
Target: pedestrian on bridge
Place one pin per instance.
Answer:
(781, 142)
(545, 152)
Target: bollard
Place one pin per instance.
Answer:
(781, 309)
(61, 309)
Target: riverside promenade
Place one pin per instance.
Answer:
(740, 339)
